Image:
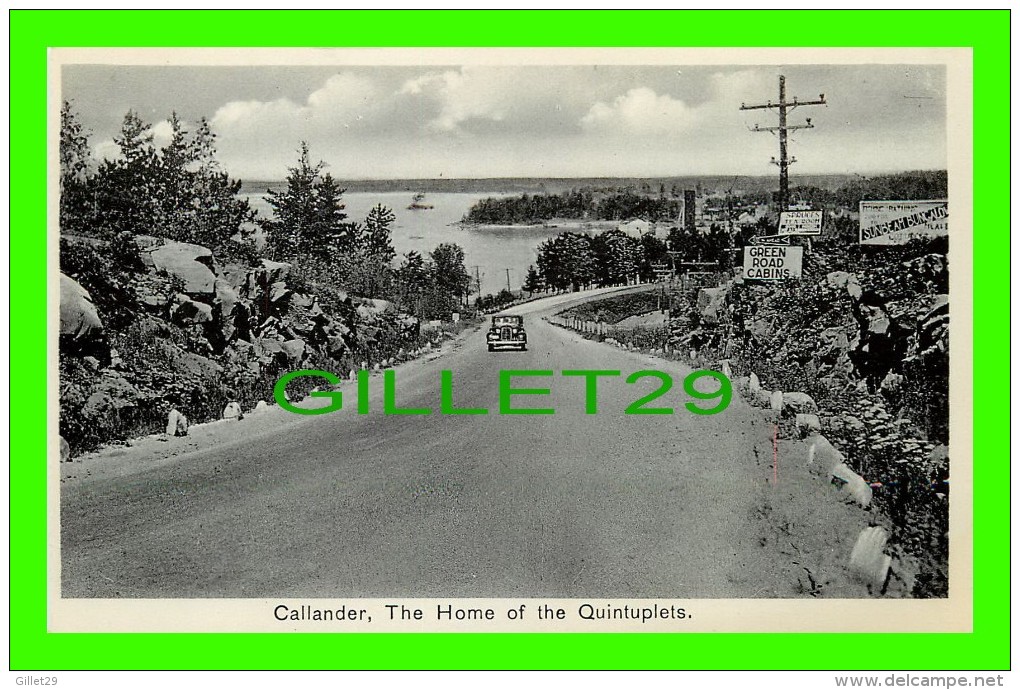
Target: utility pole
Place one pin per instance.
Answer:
(784, 107)
(508, 280)
(478, 281)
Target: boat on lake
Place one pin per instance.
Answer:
(418, 203)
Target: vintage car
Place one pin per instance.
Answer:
(507, 332)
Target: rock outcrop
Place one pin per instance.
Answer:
(81, 329)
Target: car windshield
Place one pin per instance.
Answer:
(506, 320)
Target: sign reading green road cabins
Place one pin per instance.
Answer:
(772, 262)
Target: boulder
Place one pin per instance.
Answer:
(154, 292)
(233, 411)
(260, 407)
(753, 384)
(823, 456)
(852, 484)
(192, 264)
(845, 281)
(226, 296)
(188, 312)
(776, 401)
(111, 394)
(758, 327)
(275, 271)
(808, 424)
(79, 320)
(891, 384)
(712, 304)
(868, 563)
(336, 346)
(294, 350)
(878, 322)
(302, 301)
(176, 424)
(377, 305)
(279, 293)
(797, 403)
(65, 451)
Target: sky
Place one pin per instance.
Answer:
(477, 121)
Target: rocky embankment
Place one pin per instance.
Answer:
(151, 326)
(853, 363)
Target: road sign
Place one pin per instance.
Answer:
(772, 263)
(898, 222)
(800, 223)
(771, 239)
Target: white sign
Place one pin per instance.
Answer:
(456, 316)
(898, 222)
(800, 223)
(772, 263)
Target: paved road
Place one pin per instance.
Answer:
(341, 505)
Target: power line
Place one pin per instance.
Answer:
(783, 107)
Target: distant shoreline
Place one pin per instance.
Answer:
(564, 224)
(556, 185)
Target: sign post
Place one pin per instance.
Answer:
(772, 262)
(898, 222)
(771, 240)
(800, 223)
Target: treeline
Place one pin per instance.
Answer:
(178, 191)
(917, 184)
(585, 204)
(571, 260)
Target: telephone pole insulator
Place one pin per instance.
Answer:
(784, 107)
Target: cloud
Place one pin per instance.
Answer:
(106, 150)
(507, 120)
(162, 133)
(640, 111)
(485, 99)
(345, 100)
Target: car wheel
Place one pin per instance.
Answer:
(491, 348)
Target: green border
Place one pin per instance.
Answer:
(32, 32)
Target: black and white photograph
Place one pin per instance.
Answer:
(580, 340)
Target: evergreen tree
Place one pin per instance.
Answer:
(75, 165)
(178, 191)
(375, 233)
(308, 216)
(533, 281)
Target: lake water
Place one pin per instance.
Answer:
(492, 251)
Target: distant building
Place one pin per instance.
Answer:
(635, 227)
(747, 217)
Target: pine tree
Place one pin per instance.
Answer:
(375, 233)
(309, 217)
(533, 281)
(75, 165)
(177, 191)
